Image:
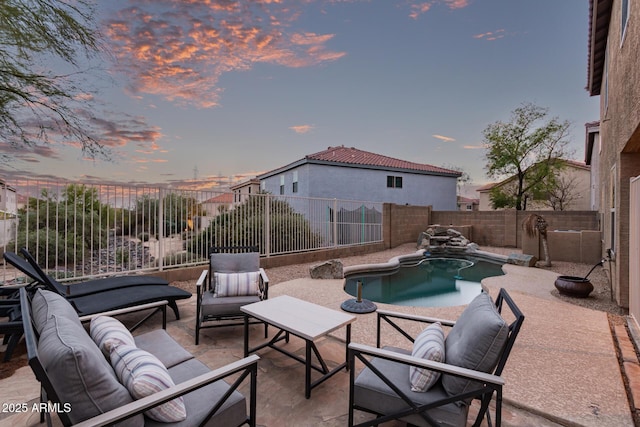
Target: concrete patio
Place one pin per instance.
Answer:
(563, 369)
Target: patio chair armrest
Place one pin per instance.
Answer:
(132, 309)
(264, 281)
(202, 281)
(413, 317)
(424, 363)
(146, 403)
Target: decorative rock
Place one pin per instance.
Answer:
(522, 260)
(454, 233)
(331, 269)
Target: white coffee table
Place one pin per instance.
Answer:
(305, 320)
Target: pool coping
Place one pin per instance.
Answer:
(395, 262)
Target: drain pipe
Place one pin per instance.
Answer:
(609, 253)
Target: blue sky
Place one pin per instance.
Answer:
(202, 93)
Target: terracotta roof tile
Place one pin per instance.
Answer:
(353, 156)
(221, 198)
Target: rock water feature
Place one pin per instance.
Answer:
(437, 239)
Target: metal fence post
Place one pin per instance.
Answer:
(267, 225)
(335, 223)
(161, 248)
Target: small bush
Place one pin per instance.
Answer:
(144, 236)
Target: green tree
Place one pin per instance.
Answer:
(530, 148)
(61, 227)
(36, 103)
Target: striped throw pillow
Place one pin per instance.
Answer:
(143, 375)
(236, 284)
(428, 345)
(107, 331)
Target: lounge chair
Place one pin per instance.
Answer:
(106, 300)
(77, 289)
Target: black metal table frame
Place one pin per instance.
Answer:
(310, 347)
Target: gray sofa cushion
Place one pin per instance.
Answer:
(235, 263)
(79, 371)
(201, 401)
(159, 343)
(475, 342)
(45, 304)
(371, 392)
(225, 306)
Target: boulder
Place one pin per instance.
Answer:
(522, 260)
(331, 269)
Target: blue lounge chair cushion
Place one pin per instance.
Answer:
(475, 342)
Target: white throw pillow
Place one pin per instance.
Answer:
(143, 375)
(428, 345)
(236, 284)
(107, 331)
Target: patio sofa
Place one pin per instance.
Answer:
(75, 370)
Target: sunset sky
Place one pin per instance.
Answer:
(200, 93)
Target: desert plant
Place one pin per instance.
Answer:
(536, 223)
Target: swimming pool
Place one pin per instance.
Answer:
(428, 282)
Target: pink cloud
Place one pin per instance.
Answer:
(179, 50)
(491, 35)
(301, 129)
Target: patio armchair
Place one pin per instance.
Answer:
(234, 278)
(434, 383)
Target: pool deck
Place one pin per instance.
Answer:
(563, 369)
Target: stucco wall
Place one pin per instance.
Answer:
(347, 183)
(619, 159)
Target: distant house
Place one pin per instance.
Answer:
(574, 175)
(8, 199)
(218, 204)
(353, 174)
(468, 204)
(243, 190)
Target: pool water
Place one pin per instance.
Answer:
(431, 282)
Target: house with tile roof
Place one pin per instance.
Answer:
(613, 75)
(574, 179)
(351, 174)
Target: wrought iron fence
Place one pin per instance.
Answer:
(78, 230)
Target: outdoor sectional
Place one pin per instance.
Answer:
(78, 379)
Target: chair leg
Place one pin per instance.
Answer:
(14, 338)
(174, 306)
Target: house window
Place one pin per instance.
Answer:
(394, 181)
(295, 182)
(469, 207)
(263, 186)
(281, 184)
(624, 20)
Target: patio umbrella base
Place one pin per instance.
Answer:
(355, 306)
